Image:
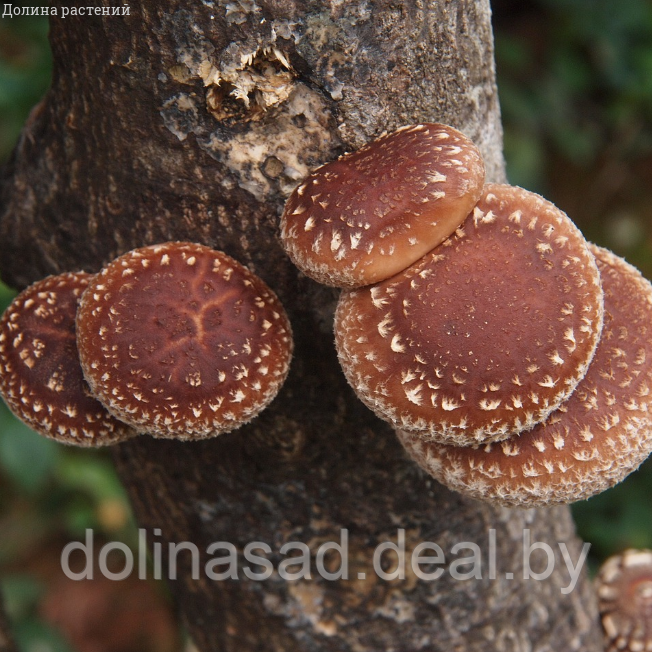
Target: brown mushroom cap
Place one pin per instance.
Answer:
(182, 341)
(600, 435)
(372, 213)
(624, 587)
(484, 336)
(40, 376)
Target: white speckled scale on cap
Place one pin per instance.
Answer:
(373, 212)
(624, 588)
(484, 336)
(182, 341)
(41, 379)
(594, 440)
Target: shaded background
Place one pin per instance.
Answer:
(575, 82)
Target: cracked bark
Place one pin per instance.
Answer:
(136, 143)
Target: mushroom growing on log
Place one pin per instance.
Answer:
(594, 440)
(179, 340)
(41, 379)
(485, 335)
(126, 151)
(371, 213)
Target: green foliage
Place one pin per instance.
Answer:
(575, 79)
(619, 518)
(32, 635)
(26, 458)
(90, 481)
(25, 70)
(22, 594)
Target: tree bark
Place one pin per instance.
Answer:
(137, 143)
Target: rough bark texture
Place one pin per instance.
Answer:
(136, 143)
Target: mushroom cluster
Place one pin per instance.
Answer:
(512, 358)
(175, 340)
(484, 336)
(594, 439)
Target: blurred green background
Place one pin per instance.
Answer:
(575, 81)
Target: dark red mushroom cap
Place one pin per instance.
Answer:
(40, 376)
(372, 213)
(182, 341)
(484, 336)
(624, 587)
(594, 440)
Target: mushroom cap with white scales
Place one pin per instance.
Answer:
(373, 212)
(624, 588)
(182, 341)
(487, 334)
(594, 440)
(41, 379)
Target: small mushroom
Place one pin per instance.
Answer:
(594, 440)
(487, 334)
(372, 213)
(624, 587)
(181, 341)
(40, 376)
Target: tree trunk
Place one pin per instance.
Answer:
(137, 143)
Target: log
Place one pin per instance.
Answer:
(193, 121)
